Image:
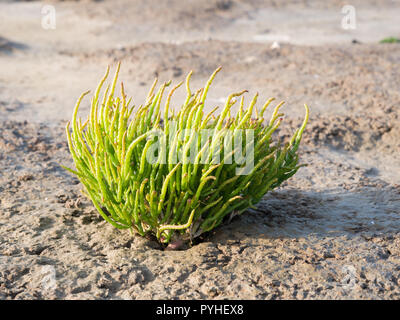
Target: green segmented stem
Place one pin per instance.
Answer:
(177, 198)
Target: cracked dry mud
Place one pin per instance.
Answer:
(330, 232)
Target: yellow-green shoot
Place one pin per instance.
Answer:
(177, 174)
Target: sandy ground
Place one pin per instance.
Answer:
(331, 232)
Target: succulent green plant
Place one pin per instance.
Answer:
(166, 177)
(390, 40)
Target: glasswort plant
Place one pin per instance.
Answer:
(179, 176)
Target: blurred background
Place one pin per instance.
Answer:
(320, 52)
